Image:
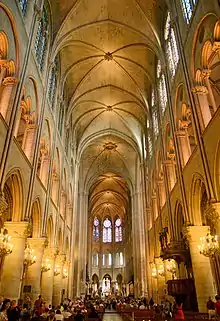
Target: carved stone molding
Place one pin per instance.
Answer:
(9, 81)
(3, 204)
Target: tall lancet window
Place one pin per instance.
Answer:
(171, 46)
(187, 8)
(53, 82)
(154, 114)
(23, 5)
(107, 231)
(161, 87)
(118, 230)
(41, 41)
(96, 230)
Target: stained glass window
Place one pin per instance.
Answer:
(42, 39)
(96, 230)
(118, 230)
(171, 46)
(23, 5)
(53, 82)
(161, 88)
(61, 116)
(187, 7)
(107, 231)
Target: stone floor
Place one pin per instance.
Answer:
(112, 316)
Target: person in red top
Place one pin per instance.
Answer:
(217, 306)
(178, 311)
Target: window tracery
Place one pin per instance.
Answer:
(154, 114)
(53, 82)
(171, 46)
(23, 5)
(42, 39)
(107, 231)
(118, 230)
(187, 8)
(96, 229)
(161, 87)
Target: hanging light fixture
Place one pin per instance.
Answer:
(65, 273)
(46, 266)
(171, 266)
(209, 245)
(5, 245)
(57, 270)
(29, 257)
(154, 271)
(160, 270)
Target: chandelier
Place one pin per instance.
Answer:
(65, 273)
(171, 266)
(5, 245)
(29, 257)
(154, 271)
(46, 266)
(160, 270)
(57, 270)
(209, 245)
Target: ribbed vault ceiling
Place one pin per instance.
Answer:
(108, 51)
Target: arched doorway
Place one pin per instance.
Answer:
(95, 284)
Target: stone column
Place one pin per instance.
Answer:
(28, 141)
(185, 149)
(3, 69)
(161, 190)
(45, 163)
(48, 277)
(7, 88)
(202, 94)
(202, 272)
(13, 264)
(58, 279)
(171, 174)
(206, 73)
(33, 276)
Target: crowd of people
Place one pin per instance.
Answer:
(80, 309)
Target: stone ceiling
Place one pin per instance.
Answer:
(108, 51)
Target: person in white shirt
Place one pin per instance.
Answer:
(59, 316)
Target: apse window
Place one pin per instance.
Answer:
(96, 230)
(118, 230)
(107, 231)
(171, 47)
(187, 8)
(161, 87)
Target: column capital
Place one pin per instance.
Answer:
(182, 132)
(216, 46)
(206, 73)
(3, 63)
(60, 259)
(17, 229)
(169, 163)
(9, 81)
(213, 212)
(193, 233)
(200, 90)
(51, 253)
(38, 243)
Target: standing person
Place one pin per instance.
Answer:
(217, 306)
(178, 310)
(211, 308)
(38, 305)
(4, 309)
(13, 312)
